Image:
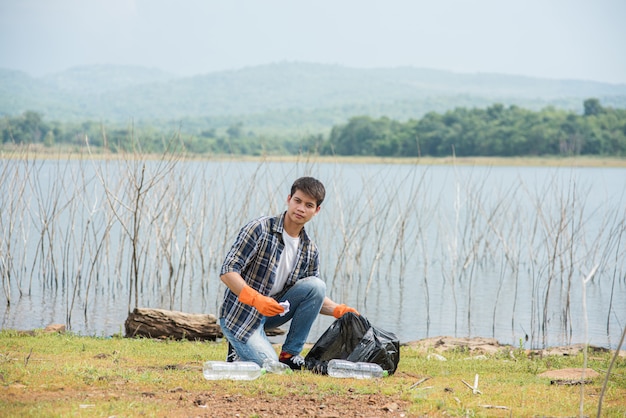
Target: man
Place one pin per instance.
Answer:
(272, 276)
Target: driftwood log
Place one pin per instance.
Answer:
(161, 323)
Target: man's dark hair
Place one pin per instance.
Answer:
(311, 186)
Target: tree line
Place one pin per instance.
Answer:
(494, 131)
(497, 130)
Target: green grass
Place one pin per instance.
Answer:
(69, 375)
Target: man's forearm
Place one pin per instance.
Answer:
(328, 306)
(233, 281)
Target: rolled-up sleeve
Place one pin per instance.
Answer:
(243, 249)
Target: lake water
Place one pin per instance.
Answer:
(420, 250)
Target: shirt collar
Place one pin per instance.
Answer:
(279, 227)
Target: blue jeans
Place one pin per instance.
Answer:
(305, 301)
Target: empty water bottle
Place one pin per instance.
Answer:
(276, 367)
(359, 370)
(237, 370)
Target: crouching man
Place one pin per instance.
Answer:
(273, 261)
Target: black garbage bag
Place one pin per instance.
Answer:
(353, 338)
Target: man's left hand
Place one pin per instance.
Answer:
(341, 310)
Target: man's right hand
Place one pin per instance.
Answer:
(265, 305)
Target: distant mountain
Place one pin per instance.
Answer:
(104, 78)
(20, 92)
(281, 95)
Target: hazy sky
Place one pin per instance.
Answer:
(573, 39)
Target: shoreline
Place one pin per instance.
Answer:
(486, 345)
(84, 153)
(440, 344)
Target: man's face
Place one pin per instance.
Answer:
(301, 207)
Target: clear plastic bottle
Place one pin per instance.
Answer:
(360, 370)
(276, 367)
(237, 370)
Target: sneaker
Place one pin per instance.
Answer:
(232, 354)
(294, 362)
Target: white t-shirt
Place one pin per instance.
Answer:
(287, 262)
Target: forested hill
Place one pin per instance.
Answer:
(280, 96)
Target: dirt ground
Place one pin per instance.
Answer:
(329, 407)
(178, 402)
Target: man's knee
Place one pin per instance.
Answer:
(317, 286)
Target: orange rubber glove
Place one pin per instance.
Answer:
(342, 309)
(264, 304)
